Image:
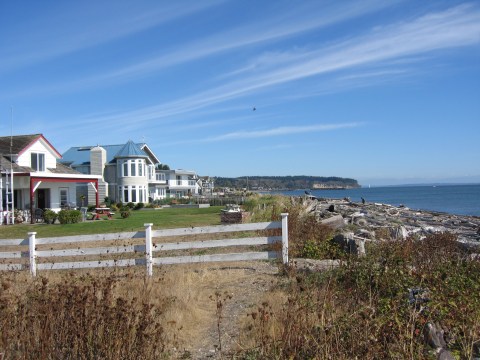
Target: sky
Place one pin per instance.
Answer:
(385, 92)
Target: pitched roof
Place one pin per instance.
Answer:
(6, 164)
(130, 149)
(62, 169)
(19, 142)
(22, 142)
(80, 155)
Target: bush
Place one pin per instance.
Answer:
(125, 212)
(49, 216)
(108, 201)
(139, 205)
(130, 205)
(363, 309)
(85, 318)
(18, 216)
(69, 216)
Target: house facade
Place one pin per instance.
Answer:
(32, 176)
(207, 185)
(129, 173)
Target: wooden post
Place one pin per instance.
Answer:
(149, 248)
(285, 238)
(32, 252)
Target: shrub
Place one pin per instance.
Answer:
(88, 318)
(69, 216)
(49, 216)
(364, 308)
(18, 216)
(130, 205)
(90, 208)
(139, 205)
(125, 212)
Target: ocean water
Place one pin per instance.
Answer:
(453, 199)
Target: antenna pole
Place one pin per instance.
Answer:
(12, 204)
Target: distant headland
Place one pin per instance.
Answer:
(266, 183)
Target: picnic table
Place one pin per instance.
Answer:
(103, 211)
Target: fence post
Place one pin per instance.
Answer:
(285, 238)
(32, 253)
(149, 248)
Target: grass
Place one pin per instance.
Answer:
(161, 219)
(360, 310)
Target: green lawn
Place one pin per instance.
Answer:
(161, 219)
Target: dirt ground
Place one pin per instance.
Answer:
(239, 287)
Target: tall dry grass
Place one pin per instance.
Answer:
(363, 309)
(91, 316)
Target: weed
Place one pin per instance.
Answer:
(82, 318)
(220, 300)
(362, 309)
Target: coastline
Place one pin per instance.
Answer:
(377, 221)
(461, 199)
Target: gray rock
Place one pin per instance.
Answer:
(350, 243)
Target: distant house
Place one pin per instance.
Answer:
(39, 180)
(129, 173)
(181, 183)
(207, 184)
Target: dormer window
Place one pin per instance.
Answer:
(38, 161)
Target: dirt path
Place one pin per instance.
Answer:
(241, 288)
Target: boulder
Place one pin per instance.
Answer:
(350, 243)
(335, 222)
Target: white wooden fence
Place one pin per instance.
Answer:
(150, 249)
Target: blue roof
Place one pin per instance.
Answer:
(80, 155)
(130, 149)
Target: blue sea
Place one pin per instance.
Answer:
(453, 199)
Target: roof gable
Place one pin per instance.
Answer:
(21, 143)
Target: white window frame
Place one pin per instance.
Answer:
(133, 168)
(39, 161)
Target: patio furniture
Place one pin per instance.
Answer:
(38, 215)
(104, 211)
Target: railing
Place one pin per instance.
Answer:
(183, 183)
(139, 254)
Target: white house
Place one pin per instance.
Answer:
(129, 173)
(32, 177)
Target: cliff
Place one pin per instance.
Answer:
(286, 182)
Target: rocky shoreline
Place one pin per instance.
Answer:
(375, 221)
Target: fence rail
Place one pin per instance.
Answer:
(144, 252)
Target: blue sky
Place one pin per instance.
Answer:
(382, 91)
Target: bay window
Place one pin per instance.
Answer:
(132, 168)
(133, 193)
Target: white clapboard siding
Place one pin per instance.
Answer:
(215, 258)
(90, 264)
(217, 229)
(217, 243)
(92, 251)
(93, 237)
